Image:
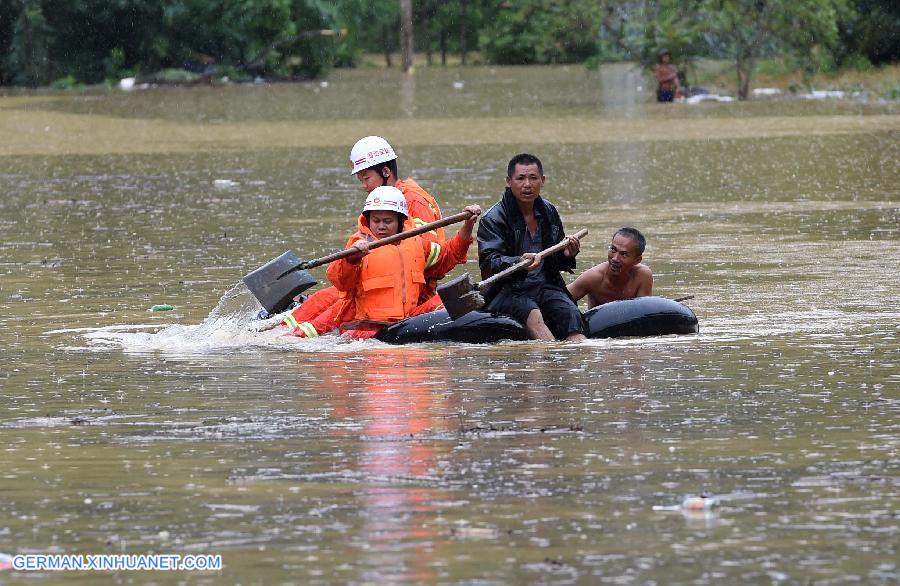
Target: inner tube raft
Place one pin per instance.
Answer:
(644, 316)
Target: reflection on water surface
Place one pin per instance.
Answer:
(321, 461)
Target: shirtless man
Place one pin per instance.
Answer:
(668, 86)
(621, 277)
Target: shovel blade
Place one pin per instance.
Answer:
(275, 293)
(460, 296)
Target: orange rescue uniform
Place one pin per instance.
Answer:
(422, 209)
(328, 308)
(387, 283)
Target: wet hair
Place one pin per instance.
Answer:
(639, 241)
(392, 165)
(523, 159)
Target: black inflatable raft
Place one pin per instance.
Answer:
(644, 316)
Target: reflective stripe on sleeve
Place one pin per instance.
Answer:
(290, 322)
(433, 255)
(420, 222)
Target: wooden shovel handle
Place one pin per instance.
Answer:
(455, 218)
(522, 264)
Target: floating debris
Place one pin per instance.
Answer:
(468, 532)
(700, 98)
(702, 507)
(767, 91)
(162, 307)
(824, 95)
(704, 502)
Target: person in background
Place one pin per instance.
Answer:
(622, 276)
(519, 227)
(385, 283)
(666, 73)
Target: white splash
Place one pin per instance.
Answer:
(231, 325)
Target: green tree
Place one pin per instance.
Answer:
(93, 40)
(318, 37)
(749, 27)
(542, 31)
(246, 34)
(372, 26)
(96, 39)
(677, 26)
(24, 34)
(457, 25)
(873, 32)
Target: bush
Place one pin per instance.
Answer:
(858, 62)
(65, 83)
(176, 76)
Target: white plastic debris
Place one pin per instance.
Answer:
(824, 95)
(700, 98)
(767, 91)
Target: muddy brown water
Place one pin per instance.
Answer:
(130, 431)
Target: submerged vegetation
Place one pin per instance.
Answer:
(871, 82)
(70, 42)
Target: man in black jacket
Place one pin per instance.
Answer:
(517, 228)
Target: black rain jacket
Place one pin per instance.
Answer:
(501, 242)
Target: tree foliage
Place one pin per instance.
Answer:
(92, 40)
(542, 31)
(804, 28)
(872, 32)
(89, 41)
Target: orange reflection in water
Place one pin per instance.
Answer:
(392, 395)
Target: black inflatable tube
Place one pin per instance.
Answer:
(476, 327)
(644, 316)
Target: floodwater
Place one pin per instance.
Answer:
(318, 461)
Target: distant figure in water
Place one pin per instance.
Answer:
(622, 276)
(667, 84)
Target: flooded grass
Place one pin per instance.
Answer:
(321, 461)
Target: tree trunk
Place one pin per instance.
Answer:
(744, 80)
(406, 36)
(463, 19)
(426, 30)
(749, 49)
(444, 46)
(386, 41)
(27, 45)
(744, 65)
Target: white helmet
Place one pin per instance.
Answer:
(386, 198)
(370, 151)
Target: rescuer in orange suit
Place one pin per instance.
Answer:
(374, 163)
(385, 284)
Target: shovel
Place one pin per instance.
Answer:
(277, 282)
(461, 295)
